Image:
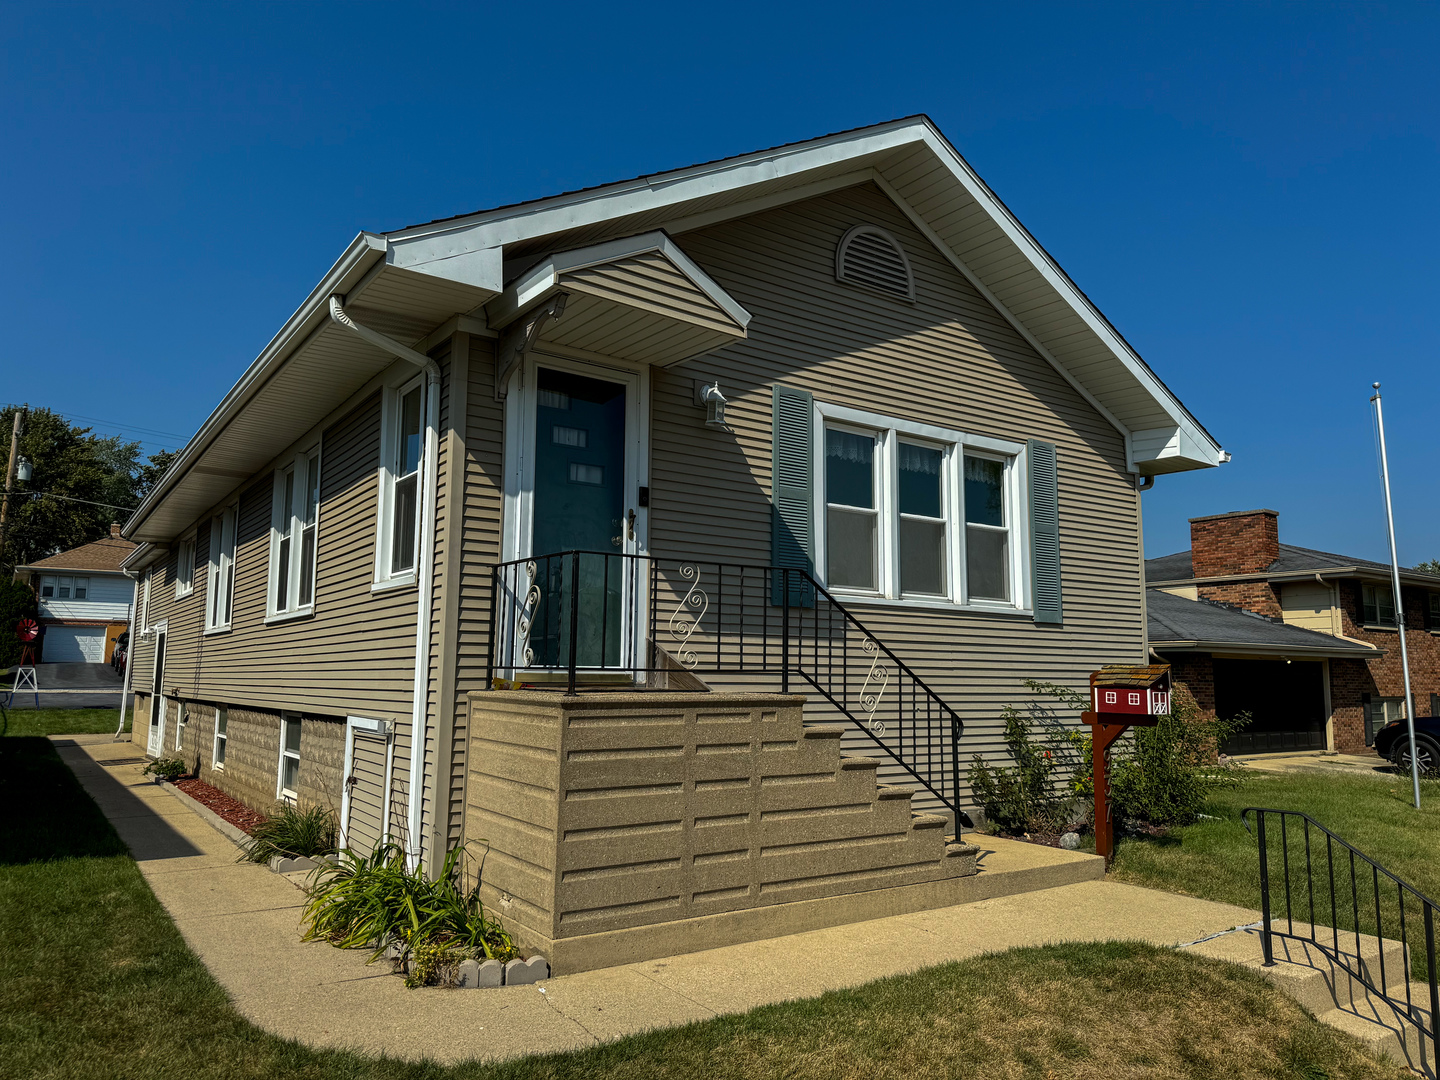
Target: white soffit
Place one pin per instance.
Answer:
(911, 160)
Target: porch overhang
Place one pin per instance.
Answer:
(639, 297)
(310, 368)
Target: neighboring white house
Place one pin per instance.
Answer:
(85, 599)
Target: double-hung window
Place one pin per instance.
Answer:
(1434, 602)
(222, 738)
(1379, 605)
(64, 588)
(287, 782)
(293, 534)
(913, 512)
(185, 567)
(220, 578)
(397, 540)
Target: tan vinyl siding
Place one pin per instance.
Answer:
(1311, 605)
(948, 359)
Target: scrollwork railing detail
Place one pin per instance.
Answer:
(526, 617)
(683, 623)
(870, 700)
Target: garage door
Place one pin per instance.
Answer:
(1286, 703)
(74, 645)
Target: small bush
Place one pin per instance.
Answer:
(372, 901)
(1035, 796)
(294, 833)
(167, 768)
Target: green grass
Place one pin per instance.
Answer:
(95, 981)
(63, 721)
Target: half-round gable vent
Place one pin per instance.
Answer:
(870, 257)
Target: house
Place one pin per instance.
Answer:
(85, 599)
(1307, 641)
(814, 433)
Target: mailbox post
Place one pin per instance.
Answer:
(1121, 696)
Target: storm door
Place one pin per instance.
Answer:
(157, 698)
(583, 523)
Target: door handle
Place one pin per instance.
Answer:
(630, 526)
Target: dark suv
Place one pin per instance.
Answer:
(1393, 741)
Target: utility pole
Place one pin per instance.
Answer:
(1399, 604)
(10, 477)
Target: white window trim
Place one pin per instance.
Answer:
(282, 793)
(215, 566)
(385, 501)
(299, 464)
(182, 717)
(889, 431)
(185, 584)
(145, 602)
(215, 762)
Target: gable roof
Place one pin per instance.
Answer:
(1292, 560)
(1175, 622)
(99, 556)
(409, 282)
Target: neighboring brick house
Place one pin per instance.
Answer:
(1236, 560)
(85, 599)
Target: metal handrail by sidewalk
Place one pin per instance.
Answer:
(1345, 918)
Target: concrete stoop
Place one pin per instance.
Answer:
(1307, 974)
(630, 826)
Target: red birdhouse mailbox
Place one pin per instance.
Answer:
(1137, 690)
(1121, 696)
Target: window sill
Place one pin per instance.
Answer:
(180, 594)
(289, 616)
(927, 604)
(1381, 627)
(209, 630)
(400, 581)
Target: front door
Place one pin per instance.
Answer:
(581, 505)
(157, 699)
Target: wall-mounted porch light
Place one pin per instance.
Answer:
(708, 395)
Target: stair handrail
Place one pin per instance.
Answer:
(1407, 1008)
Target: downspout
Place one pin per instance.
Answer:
(424, 597)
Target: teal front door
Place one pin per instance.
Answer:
(581, 521)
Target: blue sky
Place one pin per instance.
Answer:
(1248, 191)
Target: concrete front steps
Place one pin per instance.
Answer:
(1308, 975)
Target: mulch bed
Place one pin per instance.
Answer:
(232, 810)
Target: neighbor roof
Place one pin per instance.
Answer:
(100, 556)
(414, 283)
(1292, 560)
(1175, 622)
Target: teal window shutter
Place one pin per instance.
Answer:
(1044, 531)
(793, 489)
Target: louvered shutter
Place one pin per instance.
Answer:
(1044, 532)
(793, 489)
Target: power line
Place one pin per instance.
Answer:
(70, 498)
(124, 428)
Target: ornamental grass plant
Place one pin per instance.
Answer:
(375, 901)
(295, 833)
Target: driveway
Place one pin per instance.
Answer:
(68, 686)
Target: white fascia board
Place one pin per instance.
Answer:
(449, 258)
(1056, 278)
(1299, 652)
(562, 212)
(540, 280)
(364, 251)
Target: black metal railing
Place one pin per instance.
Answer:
(1365, 900)
(585, 617)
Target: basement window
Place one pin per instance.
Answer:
(222, 738)
(287, 783)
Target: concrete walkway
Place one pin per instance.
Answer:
(243, 922)
(1320, 761)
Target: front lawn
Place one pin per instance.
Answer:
(96, 981)
(63, 721)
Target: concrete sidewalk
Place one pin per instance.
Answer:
(1320, 761)
(244, 922)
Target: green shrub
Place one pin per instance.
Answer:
(1035, 796)
(294, 833)
(373, 901)
(17, 601)
(167, 768)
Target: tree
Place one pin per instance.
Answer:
(74, 470)
(154, 471)
(1429, 566)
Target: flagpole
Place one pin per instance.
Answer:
(1399, 601)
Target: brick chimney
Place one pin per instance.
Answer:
(115, 529)
(1240, 542)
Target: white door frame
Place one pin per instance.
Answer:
(517, 532)
(156, 741)
(368, 726)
